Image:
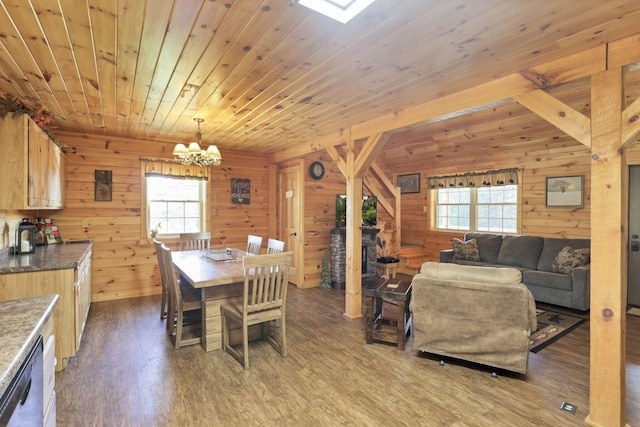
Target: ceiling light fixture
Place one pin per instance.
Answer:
(196, 155)
(340, 10)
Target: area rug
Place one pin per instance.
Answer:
(551, 327)
(634, 311)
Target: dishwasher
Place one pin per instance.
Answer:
(22, 402)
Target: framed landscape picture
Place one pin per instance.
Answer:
(564, 191)
(409, 183)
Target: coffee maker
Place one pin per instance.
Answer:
(25, 237)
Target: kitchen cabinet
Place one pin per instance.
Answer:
(72, 282)
(32, 165)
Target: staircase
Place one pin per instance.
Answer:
(411, 258)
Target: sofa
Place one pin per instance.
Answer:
(556, 271)
(477, 314)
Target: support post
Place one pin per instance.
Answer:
(607, 396)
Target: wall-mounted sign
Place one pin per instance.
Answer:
(103, 186)
(240, 191)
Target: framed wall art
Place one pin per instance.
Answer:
(240, 191)
(103, 186)
(409, 183)
(564, 191)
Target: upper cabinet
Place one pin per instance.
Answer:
(31, 167)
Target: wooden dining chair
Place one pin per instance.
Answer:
(186, 306)
(264, 300)
(195, 241)
(165, 300)
(275, 246)
(254, 244)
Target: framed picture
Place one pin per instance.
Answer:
(564, 191)
(240, 191)
(409, 183)
(103, 186)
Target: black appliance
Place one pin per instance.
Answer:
(22, 402)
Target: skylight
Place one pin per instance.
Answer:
(340, 10)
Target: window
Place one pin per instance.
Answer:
(175, 204)
(492, 208)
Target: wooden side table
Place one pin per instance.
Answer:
(380, 329)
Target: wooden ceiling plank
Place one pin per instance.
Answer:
(392, 65)
(204, 31)
(208, 72)
(52, 21)
(299, 79)
(36, 43)
(103, 25)
(128, 50)
(76, 17)
(151, 42)
(235, 102)
(181, 24)
(14, 80)
(13, 42)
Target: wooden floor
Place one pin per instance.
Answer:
(127, 374)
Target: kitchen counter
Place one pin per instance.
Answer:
(22, 321)
(48, 257)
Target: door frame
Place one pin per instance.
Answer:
(296, 167)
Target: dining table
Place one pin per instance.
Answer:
(219, 274)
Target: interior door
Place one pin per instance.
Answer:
(291, 217)
(633, 272)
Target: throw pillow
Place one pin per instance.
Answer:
(467, 251)
(570, 258)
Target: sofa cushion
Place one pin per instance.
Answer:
(552, 247)
(488, 245)
(467, 273)
(570, 258)
(547, 280)
(522, 251)
(467, 251)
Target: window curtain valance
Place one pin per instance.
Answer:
(475, 179)
(167, 168)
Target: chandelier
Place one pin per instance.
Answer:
(196, 155)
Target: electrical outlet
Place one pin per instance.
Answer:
(85, 223)
(568, 407)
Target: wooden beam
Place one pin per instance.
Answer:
(631, 122)
(566, 69)
(353, 279)
(572, 67)
(382, 200)
(607, 398)
(337, 158)
(371, 148)
(572, 122)
(623, 52)
(379, 173)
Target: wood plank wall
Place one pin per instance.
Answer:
(124, 262)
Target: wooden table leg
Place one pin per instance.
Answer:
(400, 327)
(368, 316)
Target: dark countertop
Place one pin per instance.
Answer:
(48, 257)
(22, 321)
